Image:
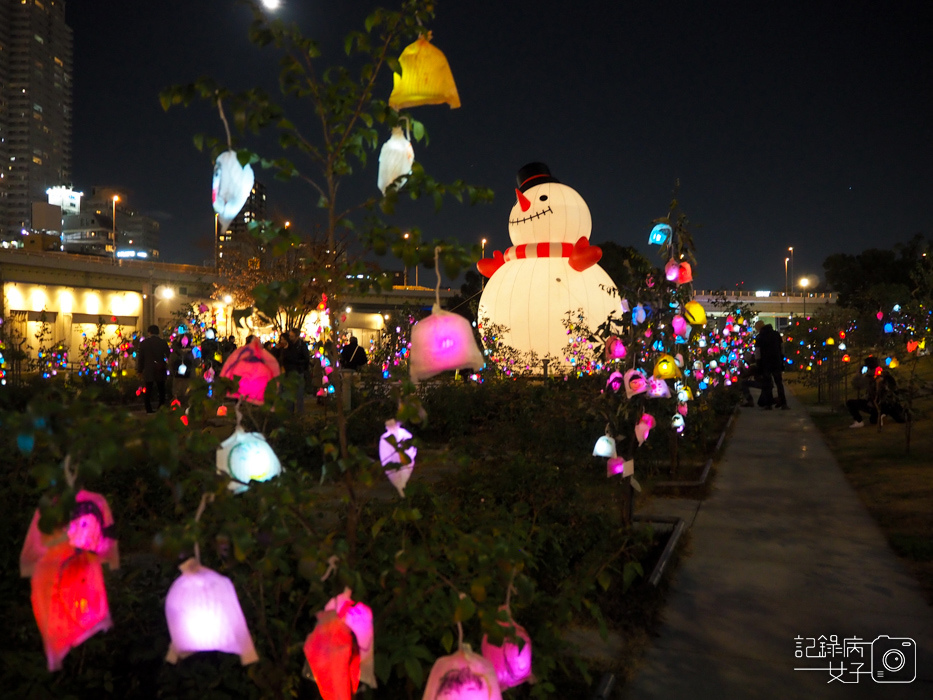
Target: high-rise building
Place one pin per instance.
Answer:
(35, 107)
(104, 221)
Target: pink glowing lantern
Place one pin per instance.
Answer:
(671, 270)
(511, 661)
(231, 187)
(254, 367)
(682, 409)
(658, 388)
(879, 315)
(618, 465)
(69, 600)
(684, 273)
(635, 382)
(90, 529)
(643, 427)
(397, 460)
(246, 457)
(204, 614)
(680, 326)
(615, 381)
(340, 649)
(442, 341)
(615, 348)
(463, 675)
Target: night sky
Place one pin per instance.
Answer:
(787, 124)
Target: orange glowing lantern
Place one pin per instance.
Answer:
(426, 78)
(254, 367)
(912, 345)
(684, 273)
(69, 600)
(442, 341)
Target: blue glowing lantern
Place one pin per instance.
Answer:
(888, 327)
(659, 234)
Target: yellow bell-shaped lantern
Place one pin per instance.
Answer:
(694, 313)
(666, 368)
(426, 78)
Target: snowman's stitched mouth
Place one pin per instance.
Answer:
(532, 217)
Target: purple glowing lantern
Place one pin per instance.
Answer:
(440, 342)
(511, 661)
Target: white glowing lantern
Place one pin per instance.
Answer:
(395, 160)
(246, 457)
(658, 388)
(231, 187)
(442, 341)
(677, 422)
(204, 614)
(398, 461)
(605, 447)
(463, 675)
(549, 272)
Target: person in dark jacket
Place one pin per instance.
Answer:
(769, 347)
(352, 356)
(152, 365)
(295, 359)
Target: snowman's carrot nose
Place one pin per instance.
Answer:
(523, 200)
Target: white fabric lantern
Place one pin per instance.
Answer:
(549, 271)
(605, 447)
(463, 675)
(246, 457)
(231, 187)
(395, 160)
(397, 461)
(204, 614)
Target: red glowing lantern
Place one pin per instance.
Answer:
(69, 600)
(340, 649)
(463, 675)
(90, 529)
(254, 367)
(442, 341)
(684, 273)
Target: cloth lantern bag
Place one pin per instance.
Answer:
(397, 461)
(426, 78)
(512, 661)
(69, 600)
(464, 675)
(253, 367)
(231, 187)
(442, 341)
(204, 614)
(246, 457)
(395, 160)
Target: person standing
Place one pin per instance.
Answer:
(181, 366)
(295, 359)
(769, 346)
(152, 365)
(352, 356)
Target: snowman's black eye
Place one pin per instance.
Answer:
(543, 197)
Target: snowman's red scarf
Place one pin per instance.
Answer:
(538, 250)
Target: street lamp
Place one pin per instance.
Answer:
(116, 198)
(804, 283)
(791, 251)
(785, 275)
(406, 264)
(482, 278)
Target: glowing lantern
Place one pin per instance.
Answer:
(549, 272)
(605, 447)
(638, 315)
(398, 461)
(340, 649)
(204, 614)
(511, 662)
(912, 345)
(846, 358)
(643, 427)
(684, 273)
(69, 600)
(90, 529)
(684, 394)
(463, 675)
(658, 388)
(889, 327)
(680, 326)
(893, 363)
(677, 422)
(615, 381)
(615, 348)
(254, 367)
(666, 367)
(395, 160)
(635, 382)
(671, 270)
(231, 187)
(879, 315)
(694, 313)
(246, 457)
(659, 234)
(442, 341)
(618, 465)
(830, 341)
(682, 409)
(426, 78)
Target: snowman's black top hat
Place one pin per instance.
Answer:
(534, 174)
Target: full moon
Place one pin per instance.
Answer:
(270, 4)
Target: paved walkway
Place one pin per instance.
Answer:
(782, 549)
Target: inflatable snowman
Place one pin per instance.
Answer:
(550, 270)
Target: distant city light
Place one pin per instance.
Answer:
(762, 294)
